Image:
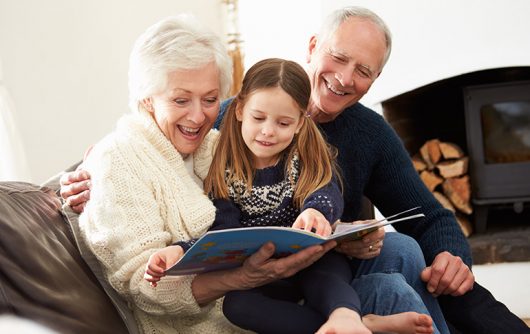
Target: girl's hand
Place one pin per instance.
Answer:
(161, 260)
(314, 221)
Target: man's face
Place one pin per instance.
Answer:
(343, 67)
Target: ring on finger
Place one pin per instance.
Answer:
(370, 248)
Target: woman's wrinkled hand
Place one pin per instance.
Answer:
(261, 268)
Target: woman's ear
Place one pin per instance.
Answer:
(239, 113)
(148, 104)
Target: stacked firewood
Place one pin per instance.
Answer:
(443, 168)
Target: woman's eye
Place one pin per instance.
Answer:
(211, 100)
(181, 101)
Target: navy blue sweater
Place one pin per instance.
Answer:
(374, 163)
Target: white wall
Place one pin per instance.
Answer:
(432, 39)
(65, 66)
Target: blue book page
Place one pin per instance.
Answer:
(225, 249)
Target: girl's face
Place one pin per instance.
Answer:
(186, 110)
(270, 118)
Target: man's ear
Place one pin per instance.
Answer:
(311, 48)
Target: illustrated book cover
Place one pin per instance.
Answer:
(223, 249)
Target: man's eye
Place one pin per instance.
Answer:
(258, 118)
(363, 73)
(337, 58)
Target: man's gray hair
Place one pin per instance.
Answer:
(337, 17)
(174, 43)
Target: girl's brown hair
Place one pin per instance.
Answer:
(232, 159)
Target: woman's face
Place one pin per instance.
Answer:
(187, 109)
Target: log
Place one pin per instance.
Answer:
(430, 179)
(444, 201)
(465, 225)
(458, 190)
(451, 151)
(430, 152)
(453, 168)
(419, 164)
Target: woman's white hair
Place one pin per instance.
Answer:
(336, 18)
(174, 43)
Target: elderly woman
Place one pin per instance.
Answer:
(147, 183)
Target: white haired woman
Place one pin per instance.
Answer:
(147, 178)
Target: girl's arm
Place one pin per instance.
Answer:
(327, 200)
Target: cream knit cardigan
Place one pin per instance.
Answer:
(143, 199)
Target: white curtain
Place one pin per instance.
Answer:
(13, 163)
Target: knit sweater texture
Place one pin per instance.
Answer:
(375, 164)
(143, 199)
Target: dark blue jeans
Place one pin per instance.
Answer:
(475, 312)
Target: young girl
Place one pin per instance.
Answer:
(272, 167)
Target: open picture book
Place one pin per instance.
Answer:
(229, 248)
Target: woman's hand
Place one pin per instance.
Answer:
(75, 189)
(366, 248)
(161, 260)
(259, 269)
(314, 221)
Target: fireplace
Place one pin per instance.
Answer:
(467, 110)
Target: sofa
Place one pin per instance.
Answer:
(44, 275)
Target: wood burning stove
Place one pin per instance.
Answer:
(498, 140)
(438, 110)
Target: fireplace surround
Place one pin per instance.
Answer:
(438, 110)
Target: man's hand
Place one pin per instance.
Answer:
(368, 247)
(75, 189)
(448, 275)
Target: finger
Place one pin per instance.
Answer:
(263, 254)
(453, 265)
(460, 283)
(466, 285)
(72, 189)
(79, 208)
(373, 237)
(437, 271)
(327, 229)
(78, 198)
(297, 223)
(426, 274)
(73, 177)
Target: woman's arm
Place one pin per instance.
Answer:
(257, 270)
